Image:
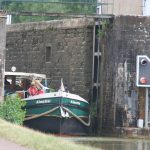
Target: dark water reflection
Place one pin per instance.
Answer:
(114, 144)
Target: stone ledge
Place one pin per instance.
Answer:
(53, 24)
(132, 131)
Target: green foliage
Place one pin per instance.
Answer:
(104, 27)
(11, 109)
(57, 6)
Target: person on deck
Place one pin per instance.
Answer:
(39, 86)
(7, 87)
(35, 88)
(6, 81)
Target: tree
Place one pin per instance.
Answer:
(57, 6)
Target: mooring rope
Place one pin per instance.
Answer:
(42, 114)
(78, 118)
(50, 111)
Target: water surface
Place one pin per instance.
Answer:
(114, 143)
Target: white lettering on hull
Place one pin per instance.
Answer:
(74, 102)
(43, 101)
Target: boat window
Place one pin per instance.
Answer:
(48, 53)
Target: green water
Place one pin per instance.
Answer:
(114, 143)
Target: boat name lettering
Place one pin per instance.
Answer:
(43, 101)
(74, 102)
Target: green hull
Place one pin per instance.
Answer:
(39, 106)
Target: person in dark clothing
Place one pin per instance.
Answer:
(7, 88)
(6, 82)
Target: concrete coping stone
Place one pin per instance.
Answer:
(54, 24)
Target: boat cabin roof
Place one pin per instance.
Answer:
(26, 75)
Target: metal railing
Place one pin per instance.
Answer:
(39, 10)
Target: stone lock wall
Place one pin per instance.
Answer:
(128, 37)
(71, 44)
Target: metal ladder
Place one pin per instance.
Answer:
(96, 63)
